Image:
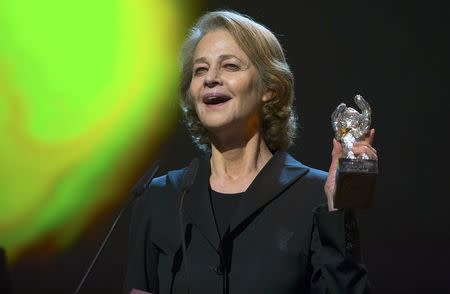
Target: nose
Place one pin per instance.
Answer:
(212, 78)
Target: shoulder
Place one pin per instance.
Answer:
(171, 180)
(315, 174)
(310, 173)
(161, 195)
(306, 189)
(312, 184)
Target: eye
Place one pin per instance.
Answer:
(200, 70)
(232, 66)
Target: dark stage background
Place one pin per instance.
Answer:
(393, 53)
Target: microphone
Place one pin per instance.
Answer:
(189, 176)
(144, 182)
(138, 189)
(188, 180)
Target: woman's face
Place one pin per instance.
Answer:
(225, 85)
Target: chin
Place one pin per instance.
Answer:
(214, 120)
(215, 125)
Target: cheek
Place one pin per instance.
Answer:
(196, 84)
(252, 94)
(244, 86)
(194, 91)
(192, 96)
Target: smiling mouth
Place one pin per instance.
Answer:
(214, 100)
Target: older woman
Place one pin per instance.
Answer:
(253, 220)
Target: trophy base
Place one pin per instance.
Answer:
(355, 183)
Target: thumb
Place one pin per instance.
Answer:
(330, 182)
(336, 153)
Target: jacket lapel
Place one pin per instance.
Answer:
(197, 204)
(278, 174)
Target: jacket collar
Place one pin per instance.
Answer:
(277, 175)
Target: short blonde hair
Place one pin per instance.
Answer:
(279, 121)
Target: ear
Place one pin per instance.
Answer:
(268, 95)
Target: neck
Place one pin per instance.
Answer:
(234, 167)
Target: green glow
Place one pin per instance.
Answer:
(81, 84)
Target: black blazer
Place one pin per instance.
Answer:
(282, 238)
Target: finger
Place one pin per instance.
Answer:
(336, 153)
(337, 150)
(358, 150)
(362, 143)
(370, 136)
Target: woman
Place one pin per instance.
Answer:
(253, 220)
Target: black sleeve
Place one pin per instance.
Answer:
(336, 259)
(141, 273)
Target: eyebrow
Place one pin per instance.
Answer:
(221, 58)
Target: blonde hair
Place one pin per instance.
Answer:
(265, 52)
